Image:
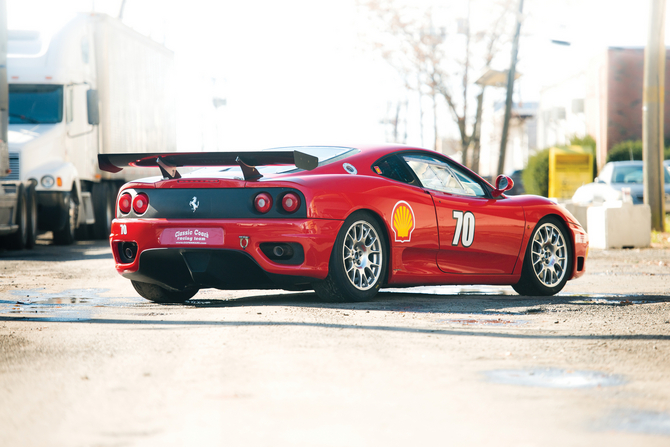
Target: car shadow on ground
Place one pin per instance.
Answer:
(501, 310)
(501, 302)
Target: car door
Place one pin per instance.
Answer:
(478, 234)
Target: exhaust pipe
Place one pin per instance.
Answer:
(278, 251)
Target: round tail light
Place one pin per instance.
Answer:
(290, 202)
(140, 203)
(263, 202)
(125, 202)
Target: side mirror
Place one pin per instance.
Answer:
(92, 107)
(503, 183)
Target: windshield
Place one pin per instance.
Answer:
(35, 104)
(633, 174)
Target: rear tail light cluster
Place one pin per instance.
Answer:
(290, 202)
(263, 202)
(125, 202)
(139, 203)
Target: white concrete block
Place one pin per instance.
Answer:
(579, 211)
(619, 224)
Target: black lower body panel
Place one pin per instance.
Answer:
(180, 269)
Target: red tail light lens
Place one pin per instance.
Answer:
(290, 202)
(125, 202)
(140, 203)
(263, 202)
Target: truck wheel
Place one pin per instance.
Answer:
(548, 261)
(103, 208)
(19, 239)
(66, 235)
(358, 261)
(158, 294)
(32, 216)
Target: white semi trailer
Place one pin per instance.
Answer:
(17, 198)
(95, 87)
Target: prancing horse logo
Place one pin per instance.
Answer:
(194, 203)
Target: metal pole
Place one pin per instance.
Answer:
(652, 115)
(510, 91)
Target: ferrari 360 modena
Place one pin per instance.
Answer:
(342, 221)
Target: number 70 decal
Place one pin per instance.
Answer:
(465, 228)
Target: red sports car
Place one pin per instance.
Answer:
(343, 221)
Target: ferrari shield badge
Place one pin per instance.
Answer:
(403, 221)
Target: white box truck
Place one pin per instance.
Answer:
(96, 86)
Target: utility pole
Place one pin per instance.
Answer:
(510, 90)
(652, 115)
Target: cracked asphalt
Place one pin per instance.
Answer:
(84, 361)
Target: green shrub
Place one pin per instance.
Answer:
(626, 150)
(587, 141)
(630, 150)
(536, 175)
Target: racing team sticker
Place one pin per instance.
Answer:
(191, 236)
(403, 221)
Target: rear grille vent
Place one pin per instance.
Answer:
(14, 166)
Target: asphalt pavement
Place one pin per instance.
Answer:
(84, 361)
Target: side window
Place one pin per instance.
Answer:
(438, 175)
(394, 169)
(471, 187)
(69, 100)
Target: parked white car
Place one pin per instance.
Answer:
(615, 176)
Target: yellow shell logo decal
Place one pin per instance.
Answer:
(403, 221)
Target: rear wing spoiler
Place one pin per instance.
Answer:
(169, 162)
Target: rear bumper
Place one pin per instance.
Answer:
(235, 261)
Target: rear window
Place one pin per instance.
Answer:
(325, 154)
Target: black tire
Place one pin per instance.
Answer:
(358, 261)
(19, 239)
(158, 294)
(548, 261)
(32, 217)
(103, 209)
(66, 235)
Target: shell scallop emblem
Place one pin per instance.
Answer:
(403, 221)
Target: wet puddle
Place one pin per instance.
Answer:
(456, 290)
(68, 305)
(554, 378)
(482, 322)
(637, 421)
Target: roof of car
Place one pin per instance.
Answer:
(626, 162)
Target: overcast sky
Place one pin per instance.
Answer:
(296, 72)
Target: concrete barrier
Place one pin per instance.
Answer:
(579, 211)
(619, 224)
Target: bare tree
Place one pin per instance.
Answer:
(416, 42)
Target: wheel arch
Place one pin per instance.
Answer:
(533, 218)
(387, 241)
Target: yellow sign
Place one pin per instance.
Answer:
(569, 168)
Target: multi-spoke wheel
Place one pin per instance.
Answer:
(357, 263)
(548, 260)
(362, 255)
